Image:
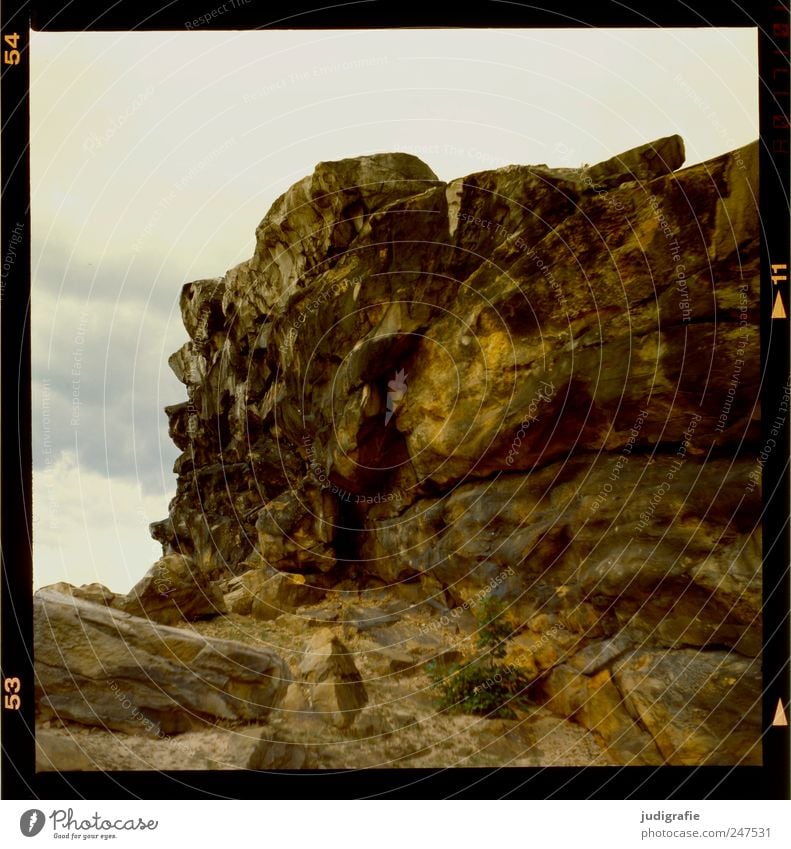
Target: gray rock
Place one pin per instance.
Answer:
(89, 592)
(596, 656)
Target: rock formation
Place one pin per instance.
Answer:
(530, 383)
(105, 667)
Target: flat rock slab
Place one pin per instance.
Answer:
(104, 667)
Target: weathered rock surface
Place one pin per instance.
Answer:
(89, 592)
(265, 593)
(333, 683)
(643, 163)
(65, 748)
(105, 667)
(534, 383)
(174, 590)
(712, 716)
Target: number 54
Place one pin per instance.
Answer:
(11, 57)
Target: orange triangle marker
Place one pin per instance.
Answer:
(779, 311)
(780, 714)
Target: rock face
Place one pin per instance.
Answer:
(532, 382)
(105, 667)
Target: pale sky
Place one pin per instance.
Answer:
(155, 156)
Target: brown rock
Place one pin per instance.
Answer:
(172, 591)
(644, 163)
(548, 442)
(595, 703)
(265, 593)
(702, 708)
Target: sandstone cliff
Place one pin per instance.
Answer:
(534, 384)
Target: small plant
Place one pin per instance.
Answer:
(481, 685)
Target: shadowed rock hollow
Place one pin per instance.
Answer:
(535, 383)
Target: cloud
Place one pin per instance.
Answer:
(88, 527)
(101, 380)
(154, 156)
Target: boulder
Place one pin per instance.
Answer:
(172, 591)
(334, 685)
(265, 593)
(644, 163)
(104, 667)
(88, 592)
(595, 703)
(713, 718)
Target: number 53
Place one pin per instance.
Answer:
(11, 686)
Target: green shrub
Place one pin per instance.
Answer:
(480, 685)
